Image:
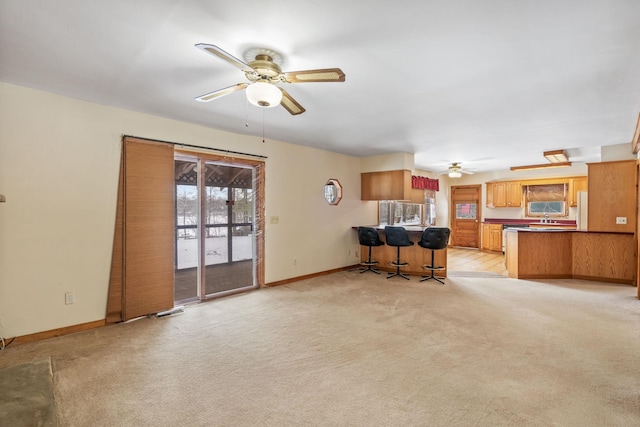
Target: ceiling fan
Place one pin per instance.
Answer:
(456, 171)
(262, 68)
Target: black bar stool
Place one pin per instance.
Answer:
(434, 238)
(398, 237)
(368, 236)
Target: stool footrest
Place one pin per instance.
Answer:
(399, 264)
(433, 267)
(369, 263)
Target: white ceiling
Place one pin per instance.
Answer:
(490, 84)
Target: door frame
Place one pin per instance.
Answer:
(259, 213)
(452, 219)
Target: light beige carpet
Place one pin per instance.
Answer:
(352, 349)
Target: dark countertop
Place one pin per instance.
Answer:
(409, 228)
(560, 230)
(529, 221)
(540, 230)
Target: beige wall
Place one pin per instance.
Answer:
(387, 162)
(59, 160)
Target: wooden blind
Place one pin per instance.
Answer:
(546, 193)
(143, 265)
(116, 278)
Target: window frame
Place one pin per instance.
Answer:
(554, 199)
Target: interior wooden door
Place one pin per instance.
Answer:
(465, 215)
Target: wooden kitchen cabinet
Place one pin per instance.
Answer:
(576, 184)
(496, 195)
(389, 185)
(496, 237)
(486, 236)
(612, 196)
(489, 195)
(504, 194)
(492, 237)
(514, 194)
(499, 194)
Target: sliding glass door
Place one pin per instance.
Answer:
(215, 243)
(229, 239)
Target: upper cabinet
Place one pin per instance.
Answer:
(509, 194)
(514, 194)
(612, 196)
(504, 194)
(389, 185)
(576, 184)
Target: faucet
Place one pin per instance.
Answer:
(546, 218)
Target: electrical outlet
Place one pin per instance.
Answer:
(621, 220)
(295, 261)
(1, 320)
(274, 219)
(69, 298)
(356, 254)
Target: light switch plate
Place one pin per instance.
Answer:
(69, 298)
(621, 220)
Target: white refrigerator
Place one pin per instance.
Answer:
(581, 213)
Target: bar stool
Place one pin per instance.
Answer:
(398, 237)
(434, 238)
(368, 236)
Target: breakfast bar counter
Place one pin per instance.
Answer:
(415, 255)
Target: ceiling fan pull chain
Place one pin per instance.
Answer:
(263, 125)
(246, 112)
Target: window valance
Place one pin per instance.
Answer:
(425, 183)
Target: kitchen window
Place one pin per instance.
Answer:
(430, 208)
(393, 212)
(548, 200)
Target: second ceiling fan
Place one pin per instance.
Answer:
(264, 73)
(456, 171)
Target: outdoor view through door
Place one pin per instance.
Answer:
(215, 244)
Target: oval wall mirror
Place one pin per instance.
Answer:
(333, 192)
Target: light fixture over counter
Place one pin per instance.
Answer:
(556, 156)
(557, 159)
(542, 166)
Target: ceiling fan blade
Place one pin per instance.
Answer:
(323, 75)
(466, 171)
(290, 104)
(221, 92)
(216, 51)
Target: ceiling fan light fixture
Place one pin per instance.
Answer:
(264, 95)
(556, 156)
(454, 174)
